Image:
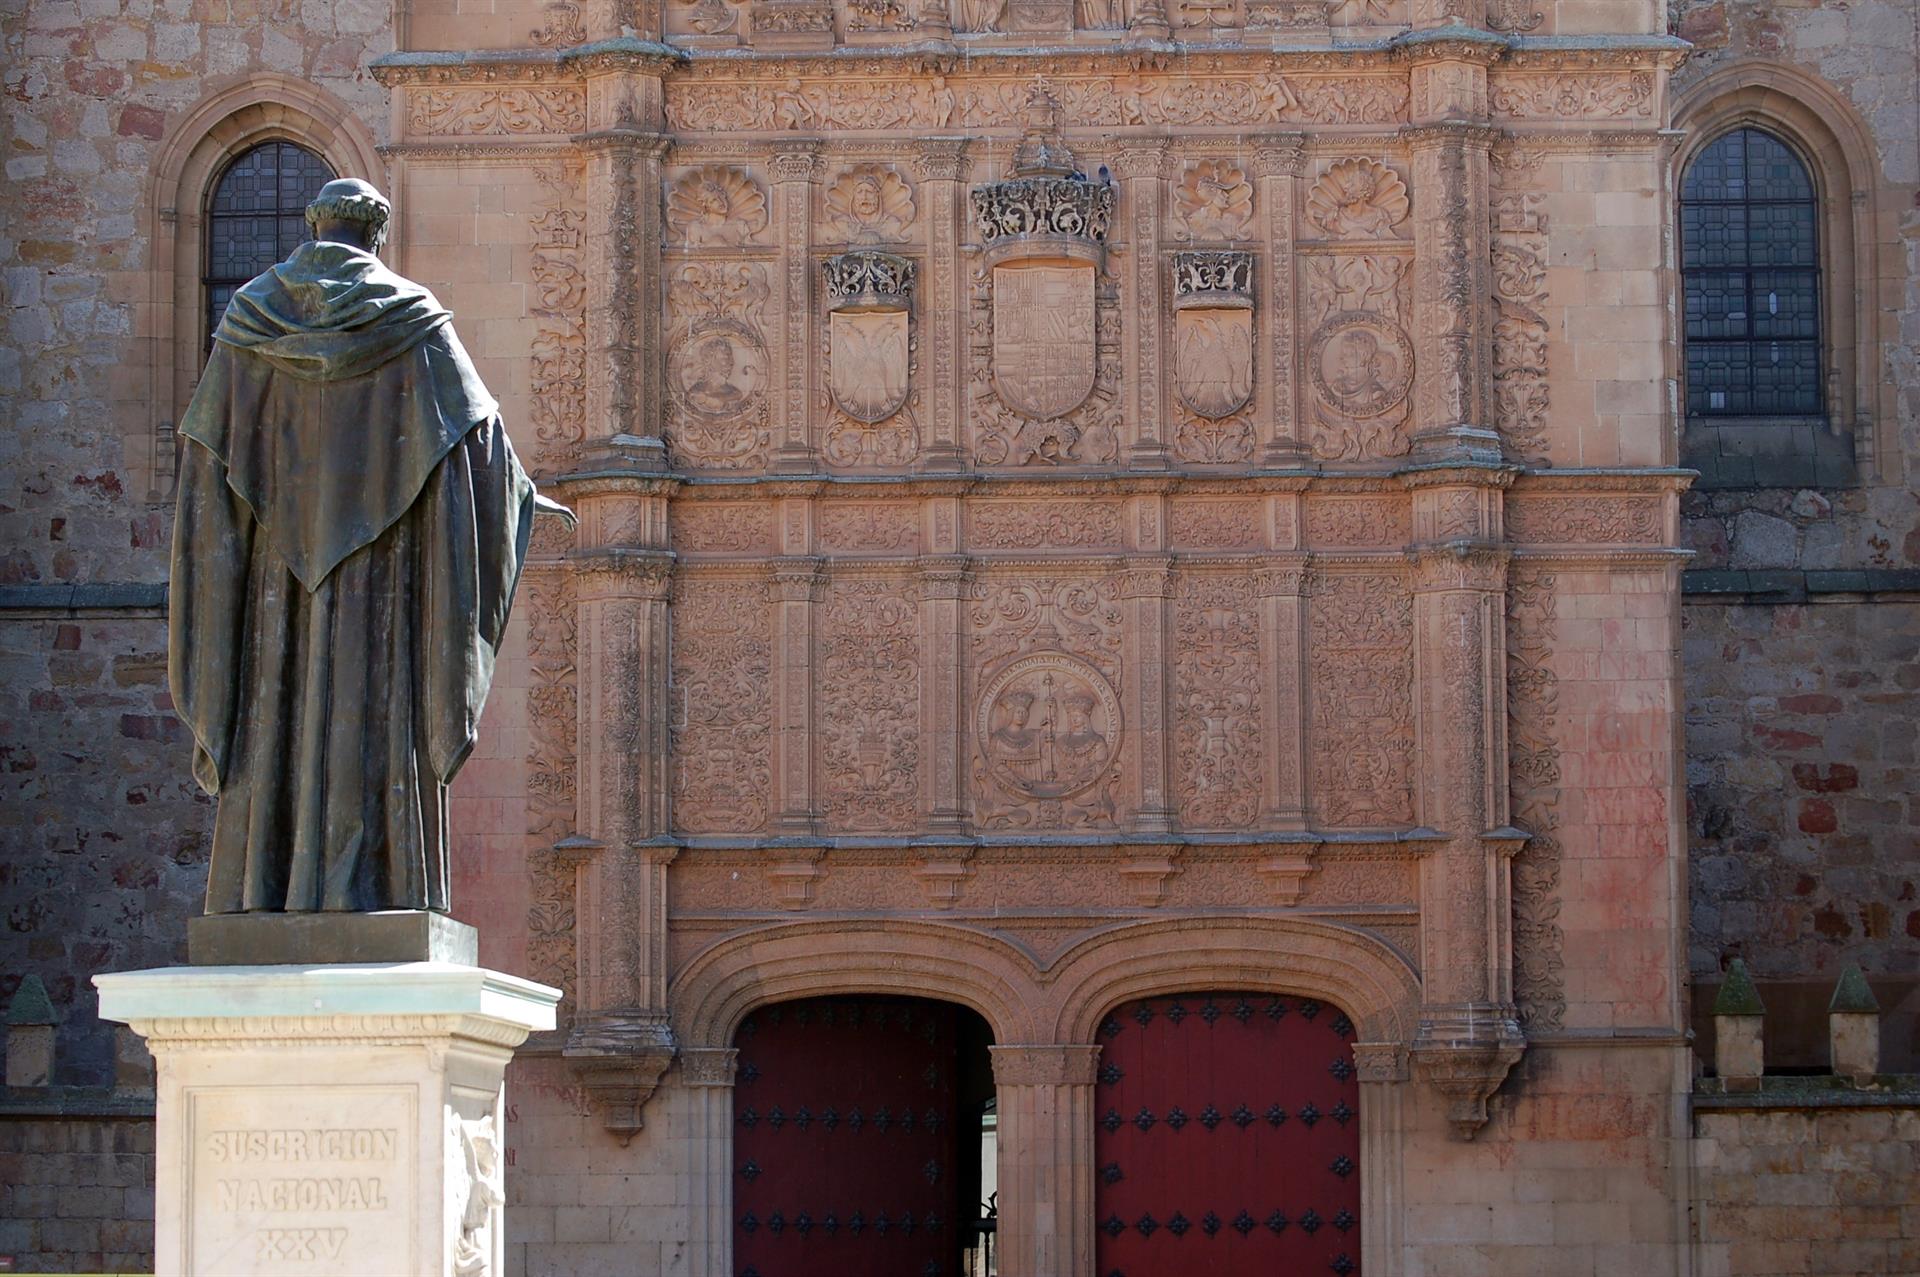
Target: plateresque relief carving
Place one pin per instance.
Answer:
(1213, 331)
(1217, 696)
(1047, 720)
(497, 112)
(1521, 388)
(552, 730)
(1533, 784)
(558, 405)
(716, 206)
(721, 705)
(1359, 357)
(477, 1191)
(1043, 337)
(869, 204)
(870, 704)
(1360, 629)
(1214, 200)
(870, 355)
(717, 368)
(1358, 199)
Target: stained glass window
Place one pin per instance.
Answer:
(1751, 273)
(257, 216)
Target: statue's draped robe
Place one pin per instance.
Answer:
(351, 526)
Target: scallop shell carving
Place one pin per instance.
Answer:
(1358, 198)
(1215, 201)
(716, 205)
(870, 204)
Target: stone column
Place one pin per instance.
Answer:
(1453, 292)
(1147, 588)
(1046, 1159)
(798, 584)
(619, 1042)
(943, 593)
(1469, 1033)
(940, 163)
(708, 1073)
(1383, 1077)
(1283, 635)
(1143, 310)
(794, 167)
(1277, 163)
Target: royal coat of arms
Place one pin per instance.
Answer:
(1043, 337)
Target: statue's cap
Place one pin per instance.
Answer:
(349, 199)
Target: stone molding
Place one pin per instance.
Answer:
(1044, 1065)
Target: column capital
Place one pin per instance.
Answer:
(708, 1065)
(1279, 155)
(1045, 1065)
(795, 160)
(941, 159)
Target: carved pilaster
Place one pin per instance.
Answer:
(794, 168)
(941, 165)
(943, 591)
(1148, 592)
(1045, 1148)
(1383, 1074)
(708, 1072)
(1283, 640)
(1469, 1032)
(623, 283)
(798, 584)
(1140, 167)
(1278, 160)
(1453, 294)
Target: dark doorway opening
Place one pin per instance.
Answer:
(858, 1146)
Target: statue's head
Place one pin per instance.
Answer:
(348, 210)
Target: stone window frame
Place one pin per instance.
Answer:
(262, 108)
(1828, 137)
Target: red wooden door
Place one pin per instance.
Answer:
(845, 1140)
(1227, 1139)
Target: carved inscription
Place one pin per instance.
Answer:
(721, 705)
(1217, 698)
(869, 704)
(1361, 646)
(274, 1185)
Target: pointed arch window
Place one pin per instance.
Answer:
(1750, 267)
(256, 216)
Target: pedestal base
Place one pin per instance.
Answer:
(312, 939)
(329, 1120)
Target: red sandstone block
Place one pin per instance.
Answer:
(1817, 816)
(1839, 777)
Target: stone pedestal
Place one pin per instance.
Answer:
(329, 1119)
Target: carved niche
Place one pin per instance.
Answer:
(1358, 199)
(717, 367)
(716, 206)
(1214, 201)
(1043, 231)
(1359, 357)
(869, 204)
(869, 357)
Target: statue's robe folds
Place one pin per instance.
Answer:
(351, 527)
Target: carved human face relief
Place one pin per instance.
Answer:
(716, 206)
(1358, 199)
(1214, 201)
(869, 204)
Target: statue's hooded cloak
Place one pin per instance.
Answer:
(351, 527)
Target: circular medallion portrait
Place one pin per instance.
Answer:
(1048, 725)
(718, 371)
(1361, 365)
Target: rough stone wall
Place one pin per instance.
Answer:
(76, 1193)
(1801, 674)
(102, 839)
(1784, 1191)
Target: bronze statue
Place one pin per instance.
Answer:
(352, 523)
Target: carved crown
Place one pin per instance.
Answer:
(1212, 280)
(1047, 202)
(868, 280)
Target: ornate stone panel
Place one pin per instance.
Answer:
(1534, 781)
(552, 773)
(1217, 704)
(721, 704)
(718, 370)
(1521, 387)
(869, 704)
(558, 404)
(1359, 357)
(1360, 646)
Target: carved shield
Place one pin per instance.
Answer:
(867, 362)
(1213, 359)
(1043, 337)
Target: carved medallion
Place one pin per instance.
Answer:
(869, 204)
(1361, 365)
(1043, 337)
(716, 205)
(1048, 725)
(718, 371)
(1358, 198)
(1215, 201)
